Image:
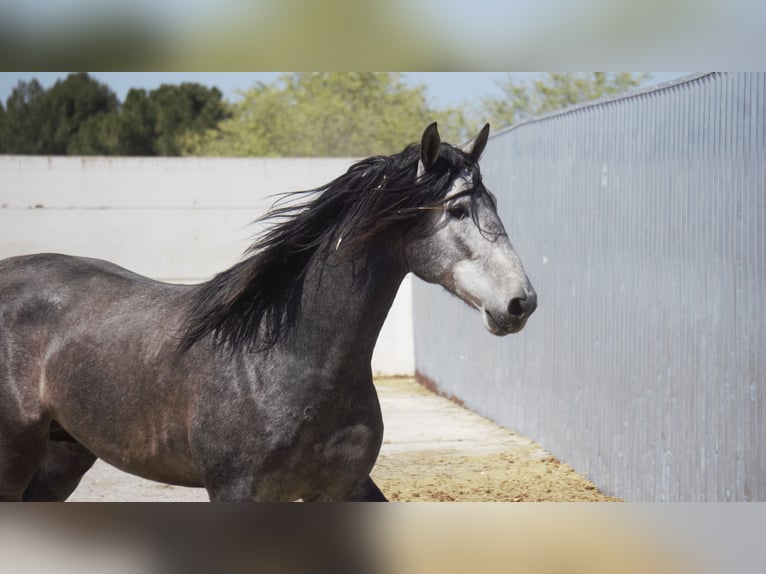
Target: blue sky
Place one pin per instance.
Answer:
(443, 88)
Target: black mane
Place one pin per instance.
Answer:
(252, 304)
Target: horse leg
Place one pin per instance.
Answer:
(21, 452)
(368, 491)
(56, 479)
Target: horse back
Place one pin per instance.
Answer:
(50, 300)
(40, 289)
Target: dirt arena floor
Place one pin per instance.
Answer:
(433, 450)
(436, 450)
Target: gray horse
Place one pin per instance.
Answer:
(255, 385)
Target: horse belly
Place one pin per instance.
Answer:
(152, 455)
(134, 423)
(148, 451)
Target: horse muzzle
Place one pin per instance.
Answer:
(513, 317)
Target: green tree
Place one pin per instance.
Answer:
(81, 116)
(20, 124)
(98, 135)
(2, 128)
(325, 114)
(156, 123)
(67, 107)
(136, 126)
(40, 121)
(554, 91)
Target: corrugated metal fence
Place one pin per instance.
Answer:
(640, 221)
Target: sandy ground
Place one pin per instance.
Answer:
(433, 450)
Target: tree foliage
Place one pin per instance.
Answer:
(136, 128)
(155, 123)
(300, 114)
(324, 114)
(38, 121)
(18, 127)
(554, 91)
(81, 116)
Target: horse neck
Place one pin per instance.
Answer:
(345, 302)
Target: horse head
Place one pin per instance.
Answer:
(461, 243)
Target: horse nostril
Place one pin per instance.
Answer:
(518, 306)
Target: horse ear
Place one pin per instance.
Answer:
(429, 148)
(475, 147)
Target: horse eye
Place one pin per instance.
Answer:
(458, 212)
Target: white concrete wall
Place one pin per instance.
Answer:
(173, 219)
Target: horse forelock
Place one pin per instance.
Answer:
(254, 302)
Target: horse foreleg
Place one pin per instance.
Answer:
(368, 491)
(60, 472)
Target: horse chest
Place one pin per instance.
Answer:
(329, 455)
(319, 448)
(325, 466)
